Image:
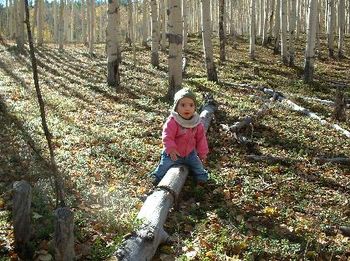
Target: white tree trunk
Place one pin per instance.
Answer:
(310, 46)
(71, 36)
(83, 21)
(185, 24)
(265, 35)
(222, 33)
(261, 17)
(292, 26)
(162, 20)
(92, 27)
(35, 17)
(55, 21)
(40, 22)
(113, 43)
(277, 27)
(284, 44)
(207, 42)
(130, 32)
(341, 17)
(20, 25)
(61, 34)
(252, 33)
(331, 27)
(155, 35)
(175, 47)
(145, 18)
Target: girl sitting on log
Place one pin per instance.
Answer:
(184, 139)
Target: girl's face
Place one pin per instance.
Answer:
(186, 108)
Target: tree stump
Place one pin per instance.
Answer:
(340, 105)
(22, 197)
(64, 235)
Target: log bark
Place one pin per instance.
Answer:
(142, 244)
(22, 198)
(64, 235)
(338, 160)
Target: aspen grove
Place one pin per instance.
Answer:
(85, 89)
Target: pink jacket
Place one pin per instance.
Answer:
(184, 140)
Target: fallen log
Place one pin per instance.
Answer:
(269, 159)
(337, 160)
(142, 244)
(245, 122)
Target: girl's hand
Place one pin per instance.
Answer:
(173, 154)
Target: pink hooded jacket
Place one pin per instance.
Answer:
(184, 140)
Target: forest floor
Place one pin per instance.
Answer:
(107, 141)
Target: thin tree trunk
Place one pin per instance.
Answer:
(61, 33)
(252, 30)
(92, 27)
(185, 24)
(40, 22)
(113, 43)
(331, 27)
(292, 26)
(341, 17)
(310, 46)
(20, 26)
(175, 47)
(58, 180)
(207, 42)
(222, 34)
(284, 44)
(155, 35)
(266, 23)
(277, 27)
(145, 18)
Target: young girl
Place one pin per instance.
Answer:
(184, 139)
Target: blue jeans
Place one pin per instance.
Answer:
(191, 160)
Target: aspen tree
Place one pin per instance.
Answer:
(155, 35)
(198, 17)
(310, 45)
(113, 43)
(266, 21)
(277, 27)
(130, 28)
(92, 27)
(61, 27)
(40, 22)
(185, 24)
(145, 15)
(341, 17)
(207, 43)
(162, 24)
(331, 27)
(284, 44)
(292, 26)
(35, 17)
(175, 47)
(318, 28)
(55, 21)
(71, 35)
(222, 34)
(20, 25)
(83, 21)
(66, 15)
(252, 32)
(271, 20)
(261, 17)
